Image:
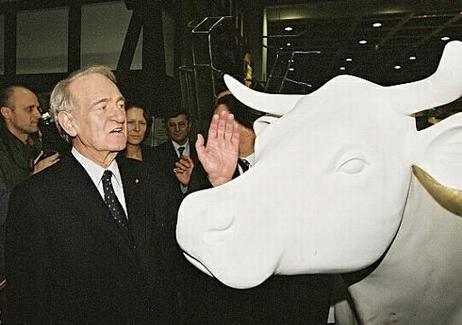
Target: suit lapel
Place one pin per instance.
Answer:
(86, 199)
(173, 154)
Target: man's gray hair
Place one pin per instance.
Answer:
(61, 99)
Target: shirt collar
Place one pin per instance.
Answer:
(94, 170)
(176, 145)
(250, 158)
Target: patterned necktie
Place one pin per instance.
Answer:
(245, 165)
(180, 151)
(112, 202)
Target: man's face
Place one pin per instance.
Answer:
(23, 114)
(98, 123)
(178, 128)
(136, 124)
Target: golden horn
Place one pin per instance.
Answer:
(448, 198)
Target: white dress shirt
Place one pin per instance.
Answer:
(186, 152)
(95, 172)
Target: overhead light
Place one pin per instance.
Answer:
(377, 25)
(412, 58)
(281, 48)
(348, 59)
(445, 38)
(363, 41)
(342, 68)
(291, 69)
(288, 29)
(397, 67)
(288, 44)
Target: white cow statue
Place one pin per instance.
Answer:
(342, 181)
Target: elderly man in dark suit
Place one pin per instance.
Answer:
(82, 245)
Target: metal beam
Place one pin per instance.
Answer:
(74, 36)
(153, 40)
(131, 40)
(10, 43)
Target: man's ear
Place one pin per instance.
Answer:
(6, 112)
(65, 120)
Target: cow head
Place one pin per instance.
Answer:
(330, 183)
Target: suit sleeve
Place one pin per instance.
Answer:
(199, 180)
(27, 260)
(4, 195)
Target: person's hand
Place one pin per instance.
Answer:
(41, 164)
(183, 170)
(219, 157)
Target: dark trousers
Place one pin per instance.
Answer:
(301, 299)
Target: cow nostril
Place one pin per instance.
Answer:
(220, 229)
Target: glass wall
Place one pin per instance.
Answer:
(41, 41)
(104, 26)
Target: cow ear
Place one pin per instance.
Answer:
(261, 123)
(440, 148)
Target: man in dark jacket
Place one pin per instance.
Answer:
(19, 143)
(82, 244)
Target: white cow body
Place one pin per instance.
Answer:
(329, 192)
(419, 279)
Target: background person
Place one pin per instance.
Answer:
(20, 150)
(20, 146)
(138, 126)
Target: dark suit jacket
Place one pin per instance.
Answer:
(165, 158)
(68, 262)
(148, 153)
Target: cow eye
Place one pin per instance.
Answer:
(352, 166)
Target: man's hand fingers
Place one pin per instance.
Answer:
(53, 157)
(50, 160)
(38, 157)
(213, 128)
(188, 159)
(200, 148)
(183, 164)
(221, 125)
(236, 135)
(46, 162)
(229, 127)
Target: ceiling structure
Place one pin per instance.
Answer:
(387, 42)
